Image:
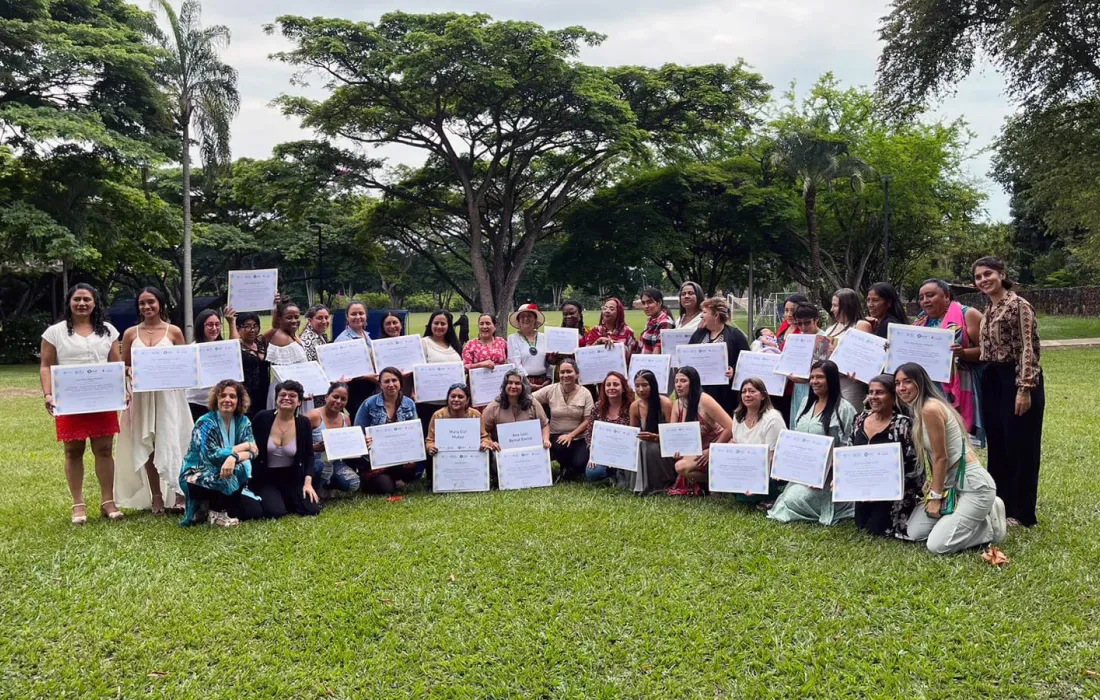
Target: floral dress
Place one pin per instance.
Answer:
(476, 352)
(890, 518)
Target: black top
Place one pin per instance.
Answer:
(883, 326)
(736, 342)
(303, 458)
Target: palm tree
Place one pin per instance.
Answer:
(204, 93)
(816, 159)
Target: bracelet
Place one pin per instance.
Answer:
(236, 458)
(933, 495)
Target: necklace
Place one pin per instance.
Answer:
(751, 420)
(280, 425)
(531, 343)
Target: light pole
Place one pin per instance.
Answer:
(316, 227)
(886, 180)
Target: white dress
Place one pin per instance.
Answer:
(692, 325)
(290, 354)
(157, 423)
(853, 390)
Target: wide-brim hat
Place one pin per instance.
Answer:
(513, 318)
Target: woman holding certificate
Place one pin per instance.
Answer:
(691, 311)
(883, 308)
(649, 410)
(788, 327)
(488, 349)
(156, 429)
(825, 412)
(457, 408)
(1013, 398)
(527, 347)
(694, 405)
(657, 320)
(612, 329)
(613, 407)
(884, 423)
(282, 472)
(440, 345)
(846, 315)
(806, 318)
(515, 404)
(961, 509)
(713, 329)
(83, 337)
(390, 405)
(217, 465)
(756, 422)
(359, 388)
(257, 370)
(570, 408)
(208, 327)
(284, 347)
(336, 474)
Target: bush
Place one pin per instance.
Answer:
(373, 300)
(421, 301)
(21, 338)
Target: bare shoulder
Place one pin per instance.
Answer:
(175, 334)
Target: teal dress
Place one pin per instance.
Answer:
(211, 442)
(799, 502)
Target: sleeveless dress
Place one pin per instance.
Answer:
(157, 423)
(290, 354)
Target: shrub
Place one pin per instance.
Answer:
(20, 338)
(421, 301)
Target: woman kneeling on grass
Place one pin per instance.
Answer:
(649, 410)
(335, 475)
(458, 407)
(283, 471)
(217, 464)
(961, 509)
(693, 405)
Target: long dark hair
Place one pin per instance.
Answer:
(832, 383)
(741, 412)
(893, 301)
(847, 302)
(525, 400)
(890, 385)
(449, 337)
(162, 302)
(993, 263)
(656, 295)
(695, 392)
(627, 398)
(654, 414)
(98, 317)
(200, 324)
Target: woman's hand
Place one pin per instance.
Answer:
(230, 314)
(957, 351)
(486, 364)
(494, 446)
(932, 507)
(1023, 403)
(309, 494)
(486, 445)
(49, 403)
(433, 450)
(729, 373)
(648, 437)
(565, 440)
(369, 440)
(545, 444)
(227, 467)
(319, 446)
(606, 342)
(702, 460)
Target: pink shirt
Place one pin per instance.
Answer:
(477, 351)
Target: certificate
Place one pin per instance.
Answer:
(597, 362)
(157, 369)
(524, 468)
(708, 359)
(798, 355)
(762, 366)
(928, 347)
(349, 359)
(524, 433)
(614, 445)
(403, 352)
(658, 364)
(867, 473)
(431, 381)
(396, 443)
(861, 354)
(458, 434)
(460, 471)
(253, 290)
(313, 379)
(684, 438)
(736, 468)
(218, 360)
(802, 458)
(94, 388)
(672, 338)
(563, 341)
(485, 384)
(344, 443)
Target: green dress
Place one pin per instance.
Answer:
(799, 502)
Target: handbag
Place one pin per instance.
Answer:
(951, 495)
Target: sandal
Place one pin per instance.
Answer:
(221, 519)
(114, 515)
(79, 519)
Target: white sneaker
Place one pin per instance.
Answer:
(998, 521)
(221, 519)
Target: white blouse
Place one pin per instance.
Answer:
(433, 353)
(519, 354)
(765, 432)
(76, 349)
(691, 325)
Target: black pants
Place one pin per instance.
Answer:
(216, 500)
(573, 460)
(1015, 442)
(280, 494)
(382, 482)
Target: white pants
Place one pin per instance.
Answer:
(969, 526)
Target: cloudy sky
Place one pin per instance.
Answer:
(784, 40)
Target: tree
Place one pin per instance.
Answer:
(203, 92)
(513, 128)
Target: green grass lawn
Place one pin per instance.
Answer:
(573, 591)
(1066, 327)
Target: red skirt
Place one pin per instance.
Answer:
(86, 426)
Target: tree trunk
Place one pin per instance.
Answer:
(188, 300)
(816, 267)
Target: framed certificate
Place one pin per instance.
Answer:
(485, 383)
(344, 443)
(928, 347)
(672, 338)
(708, 359)
(614, 445)
(683, 438)
(396, 443)
(431, 381)
(164, 368)
(403, 352)
(658, 364)
(349, 359)
(457, 472)
(253, 290)
(798, 355)
(563, 341)
(308, 374)
(598, 361)
(861, 354)
(736, 468)
(802, 458)
(524, 433)
(218, 360)
(868, 473)
(524, 468)
(762, 366)
(458, 434)
(79, 389)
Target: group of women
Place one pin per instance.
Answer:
(255, 449)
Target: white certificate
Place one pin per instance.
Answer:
(614, 445)
(708, 359)
(313, 379)
(218, 360)
(458, 434)
(867, 473)
(928, 347)
(762, 366)
(485, 384)
(396, 443)
(431, 381)
(801, 458)
(94, 388)
(460, 472)
(672, 338)
(563, 341)
(252, 290)
(157, 369)
(798, 355)
(403, 352)
(349, 359)
(861, 354)
(684, 438)
(736, 468)
(524, 433)
(658, 364)
(524, 468)
(344, 443)
(597, 362)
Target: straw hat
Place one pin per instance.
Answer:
(513, 318)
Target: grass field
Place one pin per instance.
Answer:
(573, 591)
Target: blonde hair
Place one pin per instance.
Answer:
(928, 392)
(719, 307)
